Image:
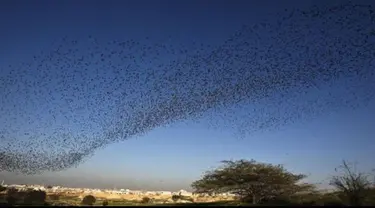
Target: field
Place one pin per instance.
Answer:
(15, 197)
(65, 199)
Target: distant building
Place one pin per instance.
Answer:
(185, 193)
(165, 193)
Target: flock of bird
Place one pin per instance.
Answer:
(85, 94)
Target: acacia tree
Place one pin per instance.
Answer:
(354, 185)
(251, 180)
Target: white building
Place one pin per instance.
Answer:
(185, 193)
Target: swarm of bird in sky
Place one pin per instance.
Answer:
(84, 94)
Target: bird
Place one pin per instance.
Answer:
(116, 90)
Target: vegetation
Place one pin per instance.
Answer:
(260, 183)
(28, 197)
(88, 200)
(145, 200)
(11, 196)
(34, 197)
(54, 197)
(175, 198)
(252, 181)
(354, 188)
(105, 203)
(2, 188)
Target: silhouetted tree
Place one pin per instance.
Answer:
(251, 181)
(354, 185)
(88, 200)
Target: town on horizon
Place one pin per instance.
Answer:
(56, 188)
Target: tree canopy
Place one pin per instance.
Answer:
(251, 180)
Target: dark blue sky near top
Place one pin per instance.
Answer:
(171, 157)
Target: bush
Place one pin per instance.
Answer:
(88, 200)
(145, 200)
(105, 203)
(35, 197)
(175, 198)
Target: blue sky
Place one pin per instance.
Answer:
(172, 157)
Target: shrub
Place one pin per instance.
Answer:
(88, 200)
(35, 196)
(145, 200)
(105, 203)
(175, 198)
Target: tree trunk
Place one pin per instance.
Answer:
(254, 199)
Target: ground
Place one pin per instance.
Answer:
(129, 200)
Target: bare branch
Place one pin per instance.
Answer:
(355, 185)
